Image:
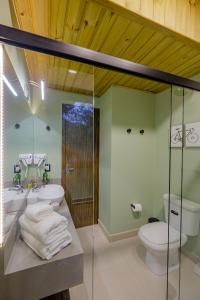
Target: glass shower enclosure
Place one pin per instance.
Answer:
(64, 126)
(184, 203)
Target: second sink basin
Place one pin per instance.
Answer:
(13, 200)
(51, 193)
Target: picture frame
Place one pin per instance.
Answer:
(177, 136)
(192, 135)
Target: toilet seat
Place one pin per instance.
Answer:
(155, 236)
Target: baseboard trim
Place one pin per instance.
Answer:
(112, 237)
(192, 256)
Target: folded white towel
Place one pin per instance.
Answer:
(58, 239)
(38, 211)
(46, 251)
(47, 229)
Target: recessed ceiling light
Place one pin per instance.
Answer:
(72, 71)
(9, 85)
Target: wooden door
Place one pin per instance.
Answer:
(80, 161)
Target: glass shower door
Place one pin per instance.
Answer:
(33, 126)
(64, 130)
(190, 250)
(184, 203)
(174, 201)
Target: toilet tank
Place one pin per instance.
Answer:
(190, 214)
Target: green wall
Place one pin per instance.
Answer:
(131, 158)
(32, 137)
(135, 168)
(16, 110)
(16, 141)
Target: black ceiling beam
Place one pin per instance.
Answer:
(26, 40)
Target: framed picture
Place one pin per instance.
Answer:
(192, 134)
(176, 136)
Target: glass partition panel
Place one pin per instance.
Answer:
(63, 108)
(133, 174)
(190, 250)
(50, 139)
(174, 200)
(184, 205)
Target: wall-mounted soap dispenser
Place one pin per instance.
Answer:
(17, 172)
(47, 169)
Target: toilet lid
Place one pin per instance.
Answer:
(157, 233)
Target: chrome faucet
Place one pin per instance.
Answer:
(17, 188)
(36, 187)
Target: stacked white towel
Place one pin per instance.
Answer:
(44, 230)
(38, 212)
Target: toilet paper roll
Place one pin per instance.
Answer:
(136, 207)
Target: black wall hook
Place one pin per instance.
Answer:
(129, 130)
(17, 126)
(48, 128)
(142, 131)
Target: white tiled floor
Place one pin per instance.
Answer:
(121, 274)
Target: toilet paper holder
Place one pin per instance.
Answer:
(136, 207)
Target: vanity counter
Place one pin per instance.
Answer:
(28, 277)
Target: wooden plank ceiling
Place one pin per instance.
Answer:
(182, 16)
(106, 27)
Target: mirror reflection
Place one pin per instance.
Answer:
(18, 137)
(48, 141)
(48, 157)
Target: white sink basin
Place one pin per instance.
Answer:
(32, 196)
(51, 193)
(13, 200)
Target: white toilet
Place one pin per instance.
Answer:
(154, 236)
